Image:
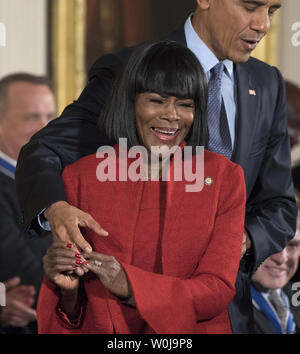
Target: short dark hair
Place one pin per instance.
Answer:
(8, 80)
(166, 68)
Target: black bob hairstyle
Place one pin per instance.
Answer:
(166, 68)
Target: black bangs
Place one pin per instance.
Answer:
(168, 72)
(166, 68)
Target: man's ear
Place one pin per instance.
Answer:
(203, 4)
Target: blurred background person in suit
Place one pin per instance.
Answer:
(272, 294)
(27, 104)
(277, 273)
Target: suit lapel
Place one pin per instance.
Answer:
(249, 99)
(127, 200)
(129, 194)
(170, 236)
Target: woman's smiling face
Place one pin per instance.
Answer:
(163, 120)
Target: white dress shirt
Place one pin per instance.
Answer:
(208, 60)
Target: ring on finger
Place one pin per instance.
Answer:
(97, 263)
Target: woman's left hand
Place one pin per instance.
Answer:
(110, 272)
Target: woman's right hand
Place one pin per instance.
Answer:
(60, 261)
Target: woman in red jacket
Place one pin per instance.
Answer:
(170, 261)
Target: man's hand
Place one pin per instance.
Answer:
(19, 300)
(65, 221)
(246, 243)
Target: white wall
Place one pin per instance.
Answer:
(26, 36)
(289, 41)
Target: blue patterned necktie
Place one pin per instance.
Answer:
(280, 307)
(219, 136)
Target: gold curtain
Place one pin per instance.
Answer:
(68, 50)
(267, 50)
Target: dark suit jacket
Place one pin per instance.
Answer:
(18, 256)
(262, 149)
(262, 324)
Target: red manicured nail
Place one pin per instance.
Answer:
(85, 263)
(78, 255)
(69, 245)
(78, 262)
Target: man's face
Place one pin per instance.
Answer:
(278, 269)
(233, 28)
(30, 107)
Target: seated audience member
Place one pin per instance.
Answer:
(274, 310)
(296, 181)
(17, 315)
(26, 105)
(162, 268)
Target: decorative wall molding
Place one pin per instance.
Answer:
(68, 50)
(289, 50)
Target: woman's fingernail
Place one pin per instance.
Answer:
(78, 262)
(78, 255)
(85, 263)
(69, 245)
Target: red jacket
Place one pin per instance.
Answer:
(200, 252)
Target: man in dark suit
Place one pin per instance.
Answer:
(254, 103)
(273, 296)
(26, 105)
